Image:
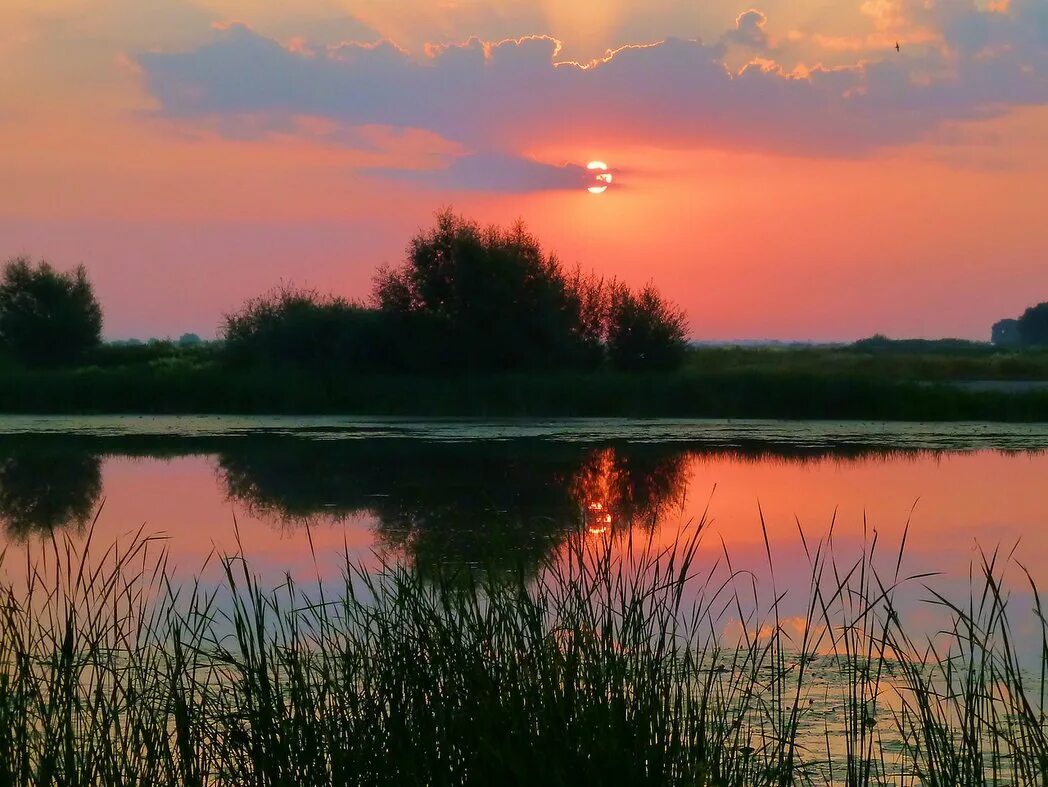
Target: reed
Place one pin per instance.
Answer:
(623, 662)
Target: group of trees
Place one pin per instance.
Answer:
(1029, 330)
(47, 317)
(467, 299)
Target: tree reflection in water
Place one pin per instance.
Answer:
(494, 505)
(49, 485)
(498, 504)
(616, 490)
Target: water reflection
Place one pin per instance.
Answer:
(495, 505)
(617, 489)
(47, 485)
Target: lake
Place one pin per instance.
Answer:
(499, 493)
(767, 500)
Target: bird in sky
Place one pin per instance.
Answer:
(897, 46)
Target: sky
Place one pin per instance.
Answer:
(780, 170)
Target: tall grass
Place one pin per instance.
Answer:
(625, 662)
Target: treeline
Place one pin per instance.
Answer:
(1028, 330)
(466, 299)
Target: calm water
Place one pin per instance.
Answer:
(496, 493)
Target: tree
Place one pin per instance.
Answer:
(1005, 333)
(491, 299)
(47, 317)
(302, 328)
(644, 332)
(1033, 325)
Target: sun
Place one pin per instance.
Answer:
(602, 178)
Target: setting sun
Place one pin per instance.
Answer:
(602, 179)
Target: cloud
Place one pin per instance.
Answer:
(513, 95)
(749, 30)
(494, 172)
(1022, 27)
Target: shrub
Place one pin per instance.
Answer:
(153, 352)
(493, 299)
(880, 344)
(1005, 333)
(1033, 325)
(304, 329)
(47, 317)
(644, 332)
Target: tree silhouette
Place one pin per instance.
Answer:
(467, 299)
(1033, 325)
(1005, 333)
(47, 317)
(304, 329)
(493, 298)
(644, 331)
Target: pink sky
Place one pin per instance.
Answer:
(781, 171)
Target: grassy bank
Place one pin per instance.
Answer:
(845, 383)
(613, 668)
(716, 394)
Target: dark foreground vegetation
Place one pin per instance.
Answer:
(614, 667)
(843, 383)
(484, 322)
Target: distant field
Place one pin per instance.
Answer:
(909, 361)
(908, 381)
